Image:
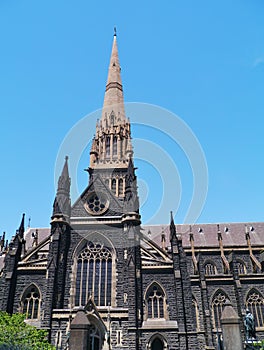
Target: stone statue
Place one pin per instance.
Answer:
(249, 325)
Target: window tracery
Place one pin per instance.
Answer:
(30, 302)
(255, 304)
(155, 302)
(94, 275)
(217, 308)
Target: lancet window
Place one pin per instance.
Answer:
(114, 146)
(210, 269)
(107, 146)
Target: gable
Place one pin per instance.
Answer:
(97, 200)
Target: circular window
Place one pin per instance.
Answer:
(97, 203)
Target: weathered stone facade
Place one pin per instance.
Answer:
(140, 287)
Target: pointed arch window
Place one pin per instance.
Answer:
(113, 185)
(107, 146)
(120, 187)
(196, 314)
(115, 146)
(30, 302)
(241, 268)
(94, 275)
(217, 308)
(155, 302)
(210, 269)
(255, 304)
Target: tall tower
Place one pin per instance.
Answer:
(105, 223)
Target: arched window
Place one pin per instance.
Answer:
(255, 304)
(196, 314)
(107, 146)
(217, 308)
(113, 185)
(157, 344)
(120, 187)
(30, 302)
(115, 146)
(241, 268)
(107, 182)
(155, 302)
(210, 269)
(94, 275)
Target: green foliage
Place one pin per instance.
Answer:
(15, 334)
(259, 345)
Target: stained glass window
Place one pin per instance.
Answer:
(255, 304)
(217, 308)
(155, 302)
(94, 275)
(31, 303)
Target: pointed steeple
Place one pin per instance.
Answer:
(113, 107)
(62, 202)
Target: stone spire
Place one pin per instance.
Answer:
(111, 146)
(113, 99)
(62, 202)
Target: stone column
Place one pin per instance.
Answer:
(231, 328)
(79, 332)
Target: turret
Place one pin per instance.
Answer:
(62, 202)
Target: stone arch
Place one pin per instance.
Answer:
(107, 247)
(254, 302)
(196, 313)
(217, 303)
(30, 301)
(210, 267)
(155, 301)
(241, 267)
(157, 342)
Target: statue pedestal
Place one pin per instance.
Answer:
(231, 331)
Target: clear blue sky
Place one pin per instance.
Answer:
(202, 60)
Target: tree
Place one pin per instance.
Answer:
(15, 334)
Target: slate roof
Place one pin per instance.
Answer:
(205, 235)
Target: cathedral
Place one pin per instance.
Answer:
(123, 285)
